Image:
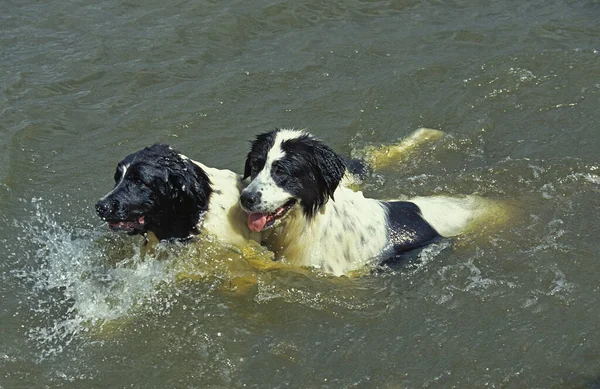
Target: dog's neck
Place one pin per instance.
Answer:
(179, 226)
(225, 217)
(283, 238)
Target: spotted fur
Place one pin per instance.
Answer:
(307, 218)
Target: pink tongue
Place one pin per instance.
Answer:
(257, 221)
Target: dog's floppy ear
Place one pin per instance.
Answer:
(187, 185)
(197, 185)
(259, 148)
(319, 171)
(248, 166)
(332, 167)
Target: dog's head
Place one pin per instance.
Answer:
(288, 169)
(156, 190)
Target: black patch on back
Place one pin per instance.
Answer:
(407, 229)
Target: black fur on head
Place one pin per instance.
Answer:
(157, 190)
(257, 156)
(309, 171)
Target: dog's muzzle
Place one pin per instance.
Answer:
(110, 211)
(106, 208)
(250, 199)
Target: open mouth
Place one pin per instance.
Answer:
(258, 221)
(127, 226)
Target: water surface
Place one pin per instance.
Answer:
(515, 87)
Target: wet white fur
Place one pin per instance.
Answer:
(449, 216)
(331, 240)
(225, 218)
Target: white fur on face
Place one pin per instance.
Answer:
(272, 195)
(123, 171)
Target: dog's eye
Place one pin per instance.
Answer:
(277, 170)
(255, 167)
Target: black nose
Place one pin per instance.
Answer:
(106, 208)
(250, 199)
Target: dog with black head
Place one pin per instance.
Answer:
(160, 191)
(306, 216)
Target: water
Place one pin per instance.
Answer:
(514, 86)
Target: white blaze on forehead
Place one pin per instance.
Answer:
(272, 196)
(276, 152)
(123, 171)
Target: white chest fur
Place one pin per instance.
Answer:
(344, 235)
(225, 219)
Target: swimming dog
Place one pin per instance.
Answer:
(161, 191)
(295, 200)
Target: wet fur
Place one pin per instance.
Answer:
(177, 197)
(331, 226)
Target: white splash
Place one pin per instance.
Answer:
(73, 284)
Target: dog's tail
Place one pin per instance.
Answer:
(451, 216)
(377, 157)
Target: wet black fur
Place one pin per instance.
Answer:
(407, 228)
(171, 193)
(257, 156)
(310, 170)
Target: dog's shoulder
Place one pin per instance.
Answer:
(225, 218)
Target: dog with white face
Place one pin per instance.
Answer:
(307, 218)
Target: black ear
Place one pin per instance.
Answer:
(197, 185)
(187, 187)
(331, 167)
(259, 148)
(248, 166)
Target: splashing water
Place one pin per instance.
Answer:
(82, 281)
(73, 285)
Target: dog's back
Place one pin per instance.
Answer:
(298, 199)
(453, 215)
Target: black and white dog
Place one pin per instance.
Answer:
(293, 178)
(161, 191)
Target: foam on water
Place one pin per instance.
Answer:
(73, 286)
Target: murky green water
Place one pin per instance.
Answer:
(515, 86)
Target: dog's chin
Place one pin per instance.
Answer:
(131, 227)
(260, 221)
